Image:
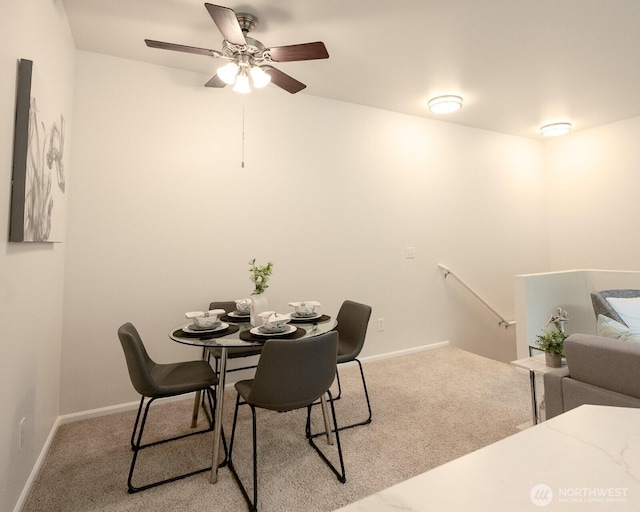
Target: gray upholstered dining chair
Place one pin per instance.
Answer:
(353, 320)
(152, 380)
(236, 353)
(291, 374)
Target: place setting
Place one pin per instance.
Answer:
(206, 325)
(306, 312)
(241, 314)
(274, 325)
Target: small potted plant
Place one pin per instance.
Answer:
(551, 342)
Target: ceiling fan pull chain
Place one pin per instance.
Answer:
(242, 163)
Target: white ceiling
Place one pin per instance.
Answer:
(517, 63)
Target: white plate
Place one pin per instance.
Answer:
(294, 316)
(290, 328)
(190, 329)
(235, 314)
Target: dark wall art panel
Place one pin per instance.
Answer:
(38, 183)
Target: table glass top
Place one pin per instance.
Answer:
(232, 337)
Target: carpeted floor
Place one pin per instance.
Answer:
(428, 408)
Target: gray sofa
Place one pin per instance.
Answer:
(599, 371)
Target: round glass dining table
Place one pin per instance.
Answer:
(236, 332)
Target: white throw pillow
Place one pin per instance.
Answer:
(609, 328)
(629, 311)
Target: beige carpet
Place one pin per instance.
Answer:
(428, 408)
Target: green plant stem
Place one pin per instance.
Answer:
(260, 276)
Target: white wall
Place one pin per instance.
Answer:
(163, 219)
(31, 275)
(593, 198)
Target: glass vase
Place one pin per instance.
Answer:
(259, 304)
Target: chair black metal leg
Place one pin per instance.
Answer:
(339, 474)
(255, 461)
(213, 404)
(366, 395)
(135, 425)
(240, 368)
(136, 444)
(253, 505)
(339, 395)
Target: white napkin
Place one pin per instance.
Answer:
(211, 312)
(270, 317)
(314, 303)
(243, 302)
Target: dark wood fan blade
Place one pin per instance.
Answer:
(283, 80)
(215, 82)
(227, 23)
(293, 52)
(182, 48)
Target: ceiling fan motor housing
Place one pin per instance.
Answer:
(247, 21)
(254, 51)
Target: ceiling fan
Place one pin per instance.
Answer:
(249, 61)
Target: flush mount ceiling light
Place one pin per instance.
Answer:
(445, 104)
(555, 129)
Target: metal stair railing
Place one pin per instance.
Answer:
(503, 320)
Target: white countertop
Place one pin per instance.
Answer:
(587, 459)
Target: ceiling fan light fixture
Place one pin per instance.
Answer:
(259, 77)
(228, 73)
(555, 129)
(445, 104)
(242, 82)
(242, 53)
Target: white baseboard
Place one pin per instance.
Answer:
(405, 352)
(105, 411)
(114, 409)
(36, 468)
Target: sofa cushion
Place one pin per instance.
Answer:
(612, 364)
(628, 308)
(602, 307)
(609, 328)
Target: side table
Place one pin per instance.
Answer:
(535, 365)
